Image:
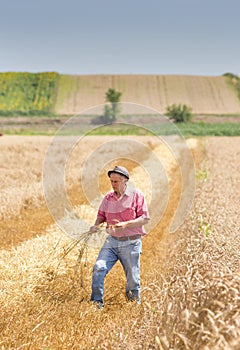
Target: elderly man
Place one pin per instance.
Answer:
(125, 211)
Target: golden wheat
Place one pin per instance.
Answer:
(190, 280)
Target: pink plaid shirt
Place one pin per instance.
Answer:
(130, 206)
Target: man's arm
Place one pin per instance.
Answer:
(98, 222)
(132, 223)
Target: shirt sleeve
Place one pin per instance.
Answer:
(141, 206)
(101, 210)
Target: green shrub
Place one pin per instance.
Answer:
(234, 80)
(111, 113)
(111, 110)
(179, 113)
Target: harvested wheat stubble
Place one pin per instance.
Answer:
(190, 282)
(44, 304)
(22, 157)
(21, 193)
(206, 95)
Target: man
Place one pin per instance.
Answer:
(125, 212)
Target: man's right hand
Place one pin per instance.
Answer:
(93, 229)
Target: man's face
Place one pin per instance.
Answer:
(118, 182)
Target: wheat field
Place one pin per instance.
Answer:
(205, 94)
(190, 279)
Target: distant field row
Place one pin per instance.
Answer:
(52, 93)
(205, 94)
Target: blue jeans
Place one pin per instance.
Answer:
(128, 253)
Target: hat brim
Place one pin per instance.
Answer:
(117, 172)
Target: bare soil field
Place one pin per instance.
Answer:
(205, 94)
(190, 279)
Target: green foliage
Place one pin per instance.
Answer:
(234, 80)
(207, 129)
(204, 226)
(120, 129)
(179, 113)
(202, 175)
(186, 129)
(111, 112)
(200, 129)
(108, 115)
(27, 93)
(230, 75)
(113, 96)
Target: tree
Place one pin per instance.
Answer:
(179, 113)
(111, 112)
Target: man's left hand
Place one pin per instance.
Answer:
(120, 225)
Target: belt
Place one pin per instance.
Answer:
(127, 238)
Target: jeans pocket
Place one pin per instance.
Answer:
(137, 246)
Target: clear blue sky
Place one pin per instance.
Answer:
(199, 37)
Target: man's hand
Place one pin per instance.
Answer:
(130, 223)
(93, 229)
(121, 225)
(98, 223)
(115, 228)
